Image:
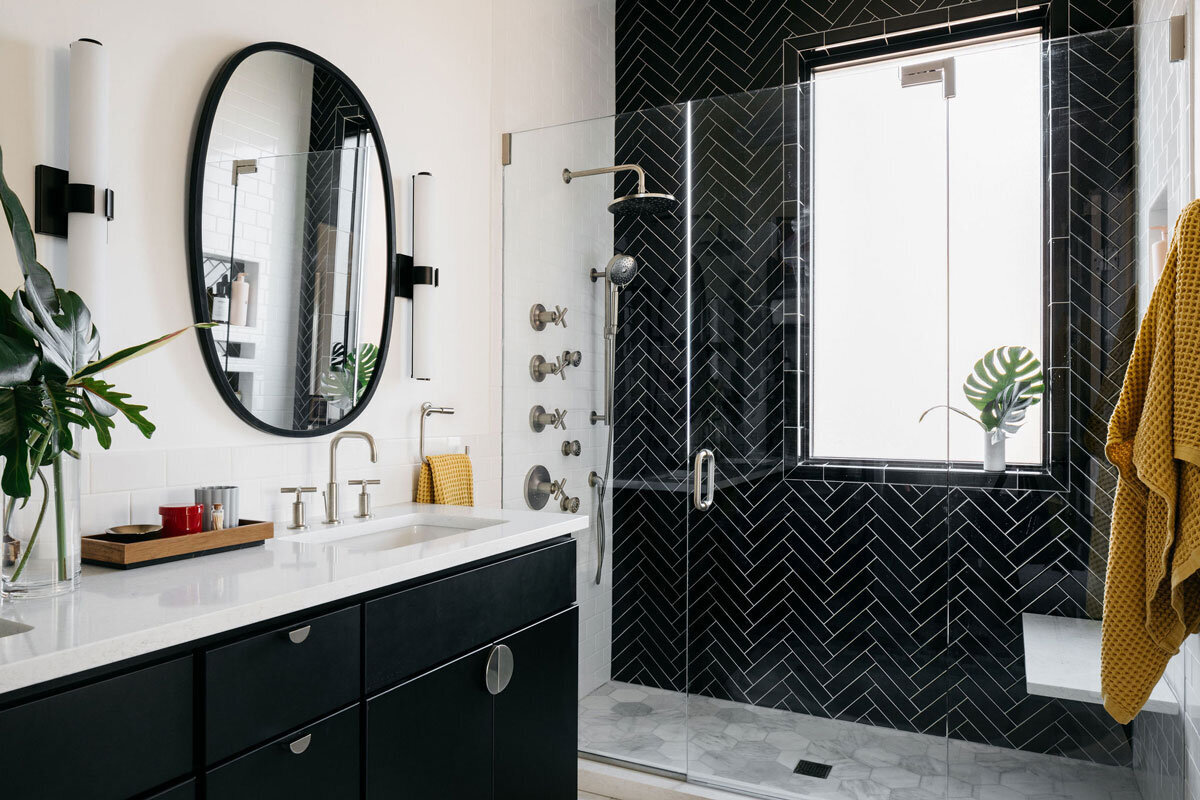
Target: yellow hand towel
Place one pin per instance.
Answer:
(1152, 593)
(447, 480)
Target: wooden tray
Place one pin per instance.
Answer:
(102, 550)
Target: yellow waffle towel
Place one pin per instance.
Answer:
(1152, 590)
(447, 480)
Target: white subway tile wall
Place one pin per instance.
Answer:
(128, 487)
(561, 233)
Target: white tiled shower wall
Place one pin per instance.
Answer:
(1166, 746)
(555, 234)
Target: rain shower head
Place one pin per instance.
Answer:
(649, 204)
(641, 203)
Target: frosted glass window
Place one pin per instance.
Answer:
(926, 249)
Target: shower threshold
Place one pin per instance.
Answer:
(754, 750)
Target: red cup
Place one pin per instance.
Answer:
(180, 520)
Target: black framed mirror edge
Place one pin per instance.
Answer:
(195, 246)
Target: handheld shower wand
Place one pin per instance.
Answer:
(620, 271)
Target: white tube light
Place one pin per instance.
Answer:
(87, 256)
(425, 277)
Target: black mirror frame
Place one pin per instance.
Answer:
(196, 251)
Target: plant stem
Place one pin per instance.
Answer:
(60, 518)
(37, 526)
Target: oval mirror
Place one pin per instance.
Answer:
(291, 236)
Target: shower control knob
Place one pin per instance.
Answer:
(569, 504)
(571, 448)
(539, 317)
(572, 358)
(539, 368)
(540, 419)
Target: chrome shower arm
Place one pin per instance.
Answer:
(568, 174)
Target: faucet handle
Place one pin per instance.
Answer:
(560, 418)
(364, 497)
(298, 522)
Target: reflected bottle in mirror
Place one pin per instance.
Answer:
(219, 301)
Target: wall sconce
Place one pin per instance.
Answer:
(79, 202)
(417, 277)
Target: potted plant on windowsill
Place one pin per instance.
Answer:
(50, 390)
(1003, 385)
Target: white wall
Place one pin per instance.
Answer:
(424, 67)
(555, 64)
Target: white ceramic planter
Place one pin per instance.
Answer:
(993, 453)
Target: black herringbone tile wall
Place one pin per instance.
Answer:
(892, 604)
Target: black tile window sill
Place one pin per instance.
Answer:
(955, 475)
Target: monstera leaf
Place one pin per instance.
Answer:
(338, 385)
(1002, 385)
(1000, 369)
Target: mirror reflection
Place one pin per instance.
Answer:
(295, 246)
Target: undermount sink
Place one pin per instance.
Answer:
(10, 628)
(389, 534)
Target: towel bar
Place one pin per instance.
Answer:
(426, 410)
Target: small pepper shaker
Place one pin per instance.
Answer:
(218, 517)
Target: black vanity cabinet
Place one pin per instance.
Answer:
(495, 723)
(457, 685)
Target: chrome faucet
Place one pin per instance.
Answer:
(331, 488)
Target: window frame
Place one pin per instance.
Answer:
(800, 463)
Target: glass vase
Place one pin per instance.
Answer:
(41, 537)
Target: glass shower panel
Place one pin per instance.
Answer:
(816, 596)
(631, 570)
(1026, 549)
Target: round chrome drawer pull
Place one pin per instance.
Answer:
(499, 669)
(301, 744)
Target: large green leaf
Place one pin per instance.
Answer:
(364, 363)
(98, 420)
(18, 360)
(68, 338)
(132, 412)
(23, 424)
(130, 353)
(1000, 369)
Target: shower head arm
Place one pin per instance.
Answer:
(567, 174)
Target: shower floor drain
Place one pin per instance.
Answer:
(813, 769)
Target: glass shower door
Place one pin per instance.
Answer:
(816, 627)
(631, 572)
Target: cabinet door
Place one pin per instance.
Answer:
(108, 740)
(431, 737)
(535, 714)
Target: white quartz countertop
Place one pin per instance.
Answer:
(1062, 659)
(119, 614)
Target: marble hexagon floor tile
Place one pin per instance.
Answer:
(756, 750)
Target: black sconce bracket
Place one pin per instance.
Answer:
(55, 197)
(407, 275)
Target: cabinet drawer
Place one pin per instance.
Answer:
(181, 791)
(318, 761)
(260, 687)
(112, 739)
(418, 628)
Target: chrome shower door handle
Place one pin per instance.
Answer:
(704, 502)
